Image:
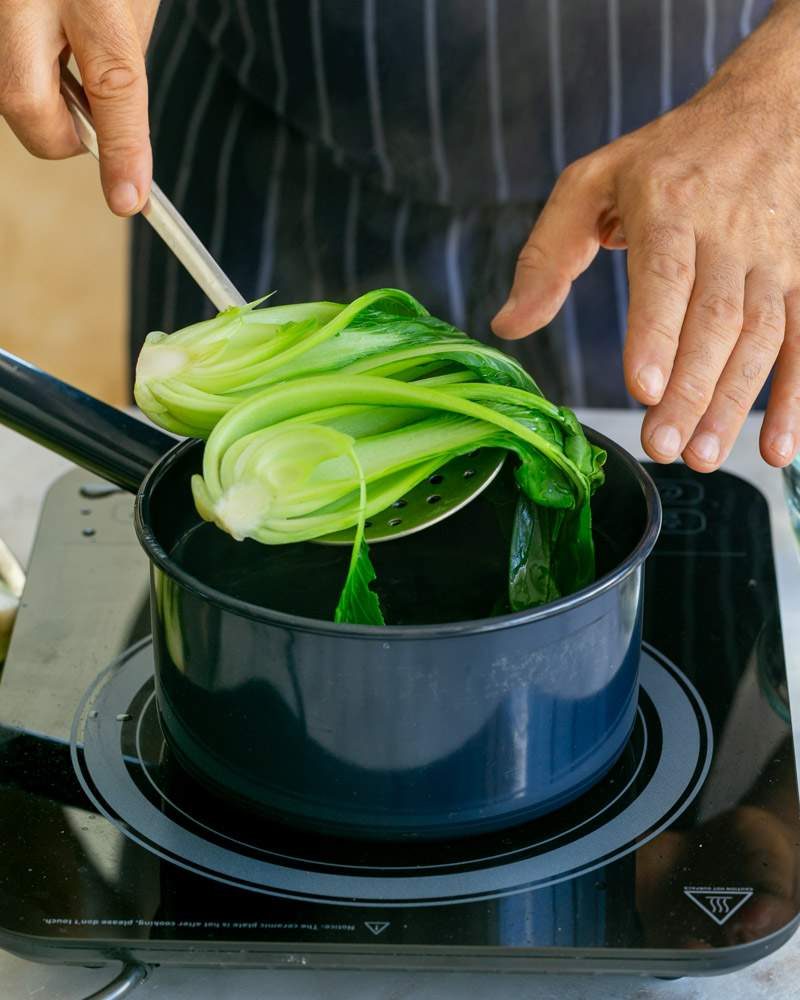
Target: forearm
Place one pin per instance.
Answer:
(765, 67)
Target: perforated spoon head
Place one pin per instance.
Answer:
(437, 497)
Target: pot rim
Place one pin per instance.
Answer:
(159, 557)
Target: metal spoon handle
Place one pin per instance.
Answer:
(159, 211)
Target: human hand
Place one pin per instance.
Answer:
(707, 201)
(108, 39)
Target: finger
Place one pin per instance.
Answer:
(144, 16)
(744, 374)
(30, 99)
(710, 331)
(106, 45)
(561, 246)
(661, 273)
(780, 432)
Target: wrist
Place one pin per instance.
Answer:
(763, 73)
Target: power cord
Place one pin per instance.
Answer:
(131, 976)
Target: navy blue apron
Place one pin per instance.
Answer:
(325, 147)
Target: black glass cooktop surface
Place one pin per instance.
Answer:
(683, 860)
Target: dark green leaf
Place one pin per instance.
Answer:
(543, 483)
(531, 580)
(573, 554)
(358, 602)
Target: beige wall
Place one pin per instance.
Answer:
(62, 270)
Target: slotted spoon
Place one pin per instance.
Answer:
(444, 493)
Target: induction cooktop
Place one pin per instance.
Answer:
(683, 860)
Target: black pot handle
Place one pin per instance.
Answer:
(83, 429)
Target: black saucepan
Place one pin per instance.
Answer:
(480, 720)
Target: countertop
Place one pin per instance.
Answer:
(29, 470)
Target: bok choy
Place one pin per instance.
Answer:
(187, 381)
(320, 416)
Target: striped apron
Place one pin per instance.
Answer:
(325, 147)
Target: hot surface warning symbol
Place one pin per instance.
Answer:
(718, 902)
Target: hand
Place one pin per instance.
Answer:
(108, 39)
(707, 201)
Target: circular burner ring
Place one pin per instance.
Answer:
(475, 854)
(124, 788)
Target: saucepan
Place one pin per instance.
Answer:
(461, 719)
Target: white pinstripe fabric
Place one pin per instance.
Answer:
(455, 285)
(250, 49)
(171, 68)
(452, 239)
(221, 24)
(574, 365)
(146, 234)
(614, 72)
(666, 56)
(223, 178)
(189, 145)
(496, 102)
(269, 228)
(618, 259)
(710, 37)
(618, 266)
(399, 231)
(323, 103)
(351, 236)
(556, 86)
(309, 221)
(216, 241)
(435, 102)
(278, 57)
(746, 18)
(374, 95)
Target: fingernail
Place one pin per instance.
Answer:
(123, 198)
(651, 380)
(783, 444)
(706, 446)
(666, 440)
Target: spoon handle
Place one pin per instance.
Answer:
(159, 212)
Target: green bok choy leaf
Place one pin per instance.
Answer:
(319, 416)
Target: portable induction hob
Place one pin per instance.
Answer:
(682, 861)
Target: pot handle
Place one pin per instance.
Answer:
(85, 430)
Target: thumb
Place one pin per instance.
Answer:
(144, 16)
(106, 45)
(562, 244)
